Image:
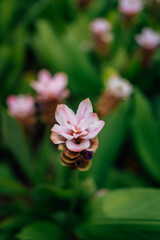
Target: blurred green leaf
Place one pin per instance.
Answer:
(41, 231)
(44, 155)
(9, 185)
(8, 10)
(12, 56)
(124, 214)
(44, 191)
(14, 140)
(145, 135)
(123, 178)
(110, 141)
(64, 55)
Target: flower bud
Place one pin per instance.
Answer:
(116, 89)
(102, 36)
(130, 8)
(149, 40)
(22, 108)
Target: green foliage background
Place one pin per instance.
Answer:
(40, 199)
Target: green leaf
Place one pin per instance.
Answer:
(123, 178)
(14, 140)
(8, 183)
(124, 214)
(64, 55)
(110, 140)
(41, 231)
(44, 155)
(145, 135)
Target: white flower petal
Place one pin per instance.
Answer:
(62, 130)
(94, 130)
(65, 116)
(72, 146)
(84, 109)
(57, 138)
(86, 122)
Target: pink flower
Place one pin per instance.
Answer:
(119, 87)
(51, 87)
(130, 7)
(148, 39)
(76, 131)
(101, 27)
(21, 106)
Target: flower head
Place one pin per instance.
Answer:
(101, 27)
(77, 131)
(148, 39)
(51, 87)
(21, 106)
(119, 87)
(130, 7)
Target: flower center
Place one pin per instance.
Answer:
(78, 140)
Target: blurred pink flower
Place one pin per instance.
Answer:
(76, 130)
(130, 7)
(21, 106)
(51, 87)
(119, 87)
(148, 39)
(101, 27)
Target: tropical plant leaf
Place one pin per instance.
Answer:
(123, 214)
(14, 140)
(145, 135)
(64, 55)
(41, 231)
(110, 141)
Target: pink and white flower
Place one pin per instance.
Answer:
(148, 39)
(130, 7)
(21, 106)
(78, 130)
(101, 27)
(51, 87)
(119, 87)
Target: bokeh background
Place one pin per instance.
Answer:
(36, 198)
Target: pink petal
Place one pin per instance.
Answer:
(64, 95)
(72, 146)
(86, 122)
(56, 138)
(60, 80)
(83, 133)
(11, 100)
(94, 130)
(65, 116)
(44, 76)
(96, 118)
(62, 130)
(84, 109)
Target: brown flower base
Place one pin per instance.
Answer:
(78, 160)
(146, 56)
(28, 124)
(47, 111)
(84, 3)
(101, 46)
(106, 103)
(74, 160)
